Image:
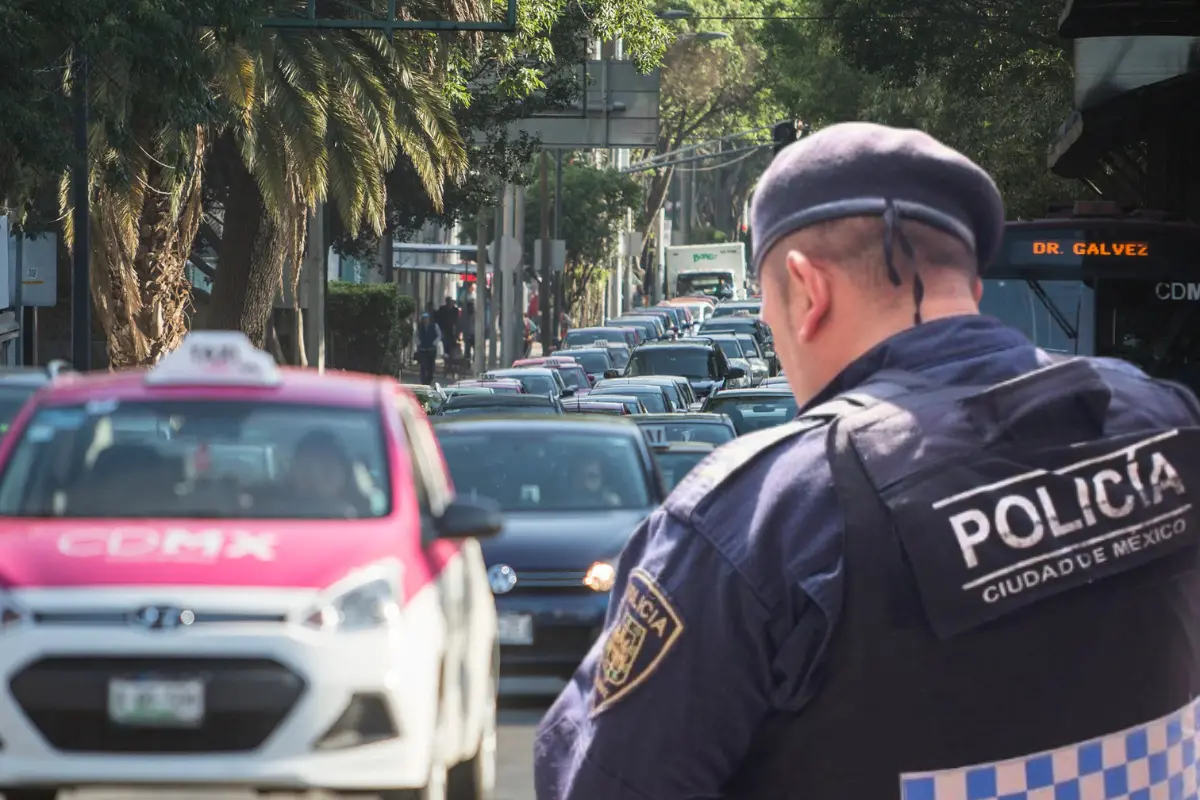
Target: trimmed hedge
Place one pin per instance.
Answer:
(368, 326)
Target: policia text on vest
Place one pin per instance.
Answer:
(1017, 526)
(1092, 496)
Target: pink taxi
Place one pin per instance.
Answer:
(219, 572)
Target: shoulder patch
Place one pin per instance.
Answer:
(644, 630)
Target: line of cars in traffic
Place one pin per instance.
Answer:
(579, 446)
(221, 572)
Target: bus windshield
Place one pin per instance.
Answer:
(1123, 288)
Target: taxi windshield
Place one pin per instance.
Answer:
(573, 377)
(592, 362)
(749, 413)
(525, 471)
(188, 459)
(12, 398)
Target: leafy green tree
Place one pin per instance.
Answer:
(145, 139)
(988, 78)
(503, 80)
(594, 205)
(711, 89)
(316, 116)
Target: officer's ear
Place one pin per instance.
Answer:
(809, 294)
(977, 289)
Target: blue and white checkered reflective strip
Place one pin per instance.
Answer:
(1154, 761)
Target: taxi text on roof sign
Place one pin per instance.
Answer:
(216, 358)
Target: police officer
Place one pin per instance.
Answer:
(965, 571)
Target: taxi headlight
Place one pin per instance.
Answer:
(373, 604)
(600, 577)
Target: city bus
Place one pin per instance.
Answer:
(1098, 281)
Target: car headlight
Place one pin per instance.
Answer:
(600, 577)
(361, 602)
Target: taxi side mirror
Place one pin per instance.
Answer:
(568, 392)
(735, 373)
(469, 519)
(612, 373)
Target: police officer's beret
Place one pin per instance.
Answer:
(856, 169)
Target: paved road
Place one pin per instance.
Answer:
(514, 778)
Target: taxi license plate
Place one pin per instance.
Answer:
(156, 703)
(515, 629)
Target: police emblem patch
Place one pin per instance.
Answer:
(644, 631)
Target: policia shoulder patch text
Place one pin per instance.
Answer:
(644, 630)
(995, 532)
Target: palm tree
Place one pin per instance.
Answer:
(145, 178)
(316, 115)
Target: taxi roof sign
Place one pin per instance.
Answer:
(600, 342)
(216, 358)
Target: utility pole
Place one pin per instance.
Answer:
(544, 293)
(478, 357)
(496, 296)
(81, 275)
(559, 278)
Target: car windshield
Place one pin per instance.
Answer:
(673, 466)
(527, 469)
(651, 396)
(662, 432)
(12, 398)
(595, 363)
(749, 413)
(499, 408)
(730, 347)
(619, 356)
(211, 459)
(739, 324)
(536, 383)
(577, 338)
(573, 377)
(749, 346)
(690, 362)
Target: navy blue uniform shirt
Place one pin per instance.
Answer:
(725, 601)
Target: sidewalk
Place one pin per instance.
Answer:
(411, 372)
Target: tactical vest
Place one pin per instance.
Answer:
(1021, 614)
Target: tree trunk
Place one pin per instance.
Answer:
(142, 237)
(254, 247)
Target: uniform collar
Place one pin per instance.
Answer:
(940, 341)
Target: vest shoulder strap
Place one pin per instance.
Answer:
(720, 468)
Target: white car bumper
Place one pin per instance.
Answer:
(272, 692)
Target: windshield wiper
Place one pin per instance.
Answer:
(1055, 312)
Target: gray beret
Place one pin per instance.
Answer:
(857, 169)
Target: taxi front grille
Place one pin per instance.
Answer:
(558, 581)
(245, 700)
(118, 618)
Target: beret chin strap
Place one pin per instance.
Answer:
(893, 234)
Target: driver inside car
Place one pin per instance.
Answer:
(322, 476)
(591, 485)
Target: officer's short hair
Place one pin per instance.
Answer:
(853, 244)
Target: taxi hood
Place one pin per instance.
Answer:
(561, 540)
(266, 553)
